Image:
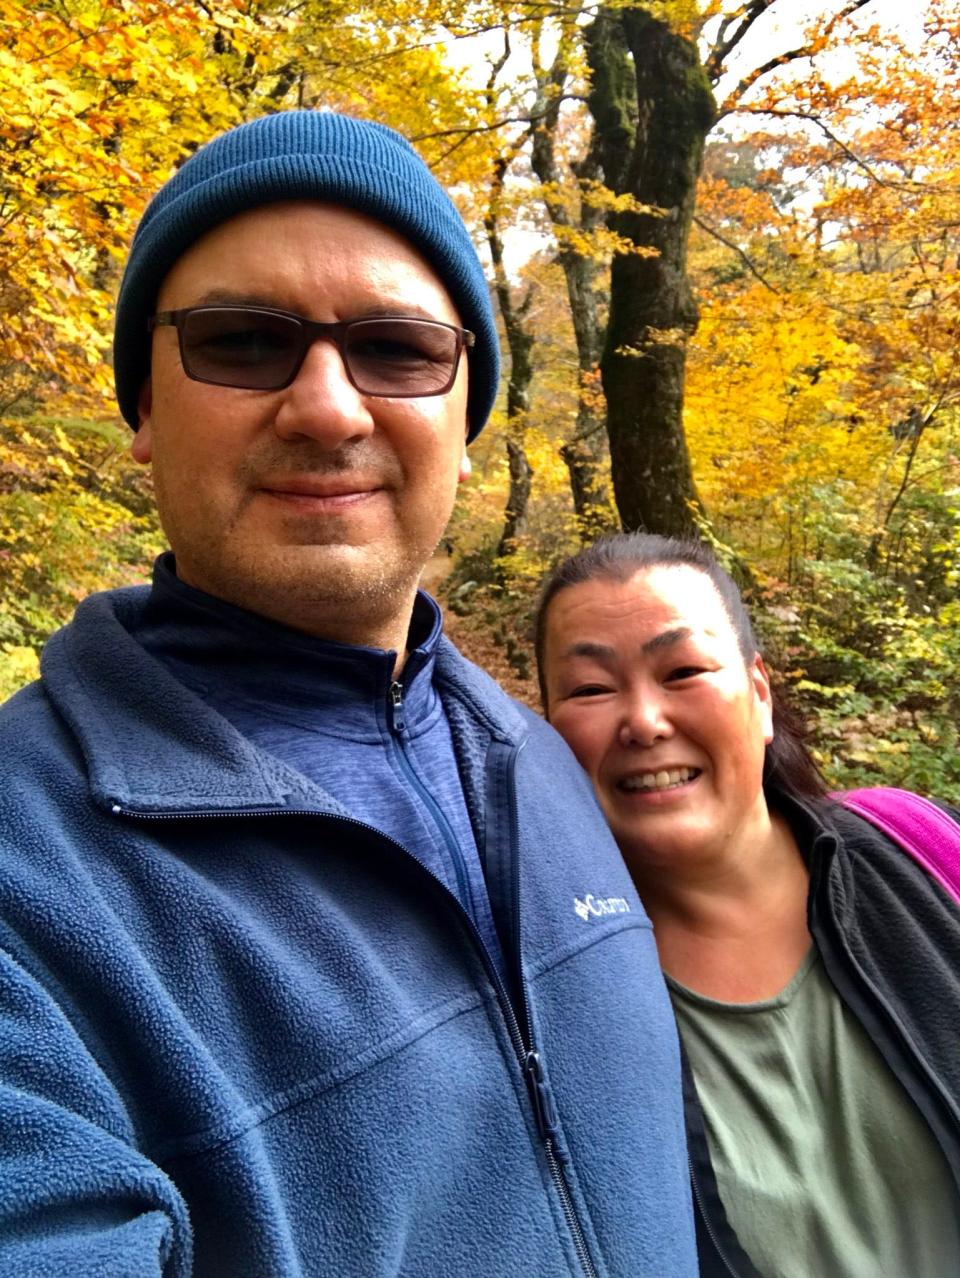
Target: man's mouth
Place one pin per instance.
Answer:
(321, 493)
(665, 779)
(306, 486)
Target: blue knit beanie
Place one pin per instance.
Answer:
(304, 155)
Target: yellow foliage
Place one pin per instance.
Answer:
(67, 528)
(18, 666)
(823, 384)
(101, 99)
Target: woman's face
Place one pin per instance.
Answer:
(646, 683)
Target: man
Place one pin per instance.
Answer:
(318, 958)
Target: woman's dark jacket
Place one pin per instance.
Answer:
(889, 938)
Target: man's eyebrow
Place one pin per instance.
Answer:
(230, 297)
(377, 310)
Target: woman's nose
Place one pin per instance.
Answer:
(645, 719)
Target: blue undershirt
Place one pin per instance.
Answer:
(329, 710)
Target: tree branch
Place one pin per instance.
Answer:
(923, 423)
(468, 130)
(497, 66)
(851, 155)
(397, 51)
(723, 46)
(712, 230)
(791, 55)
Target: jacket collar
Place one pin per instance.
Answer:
(256, 671)
(812, 823)
(152, 746)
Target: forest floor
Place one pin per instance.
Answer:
(475, 641)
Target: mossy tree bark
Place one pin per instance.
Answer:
(585, 453)
(651, 129)
(520, 342)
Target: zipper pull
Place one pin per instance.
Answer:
(396, 702)
(543, 1105)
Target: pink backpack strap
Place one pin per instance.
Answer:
(919, 826)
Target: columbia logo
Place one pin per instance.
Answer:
(596, 906)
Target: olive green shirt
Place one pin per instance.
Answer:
(825, 1166)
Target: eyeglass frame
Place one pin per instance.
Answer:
(312, 331)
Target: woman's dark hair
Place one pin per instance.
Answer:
(788, 763)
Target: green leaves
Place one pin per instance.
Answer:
(877, 679)
(75, 517)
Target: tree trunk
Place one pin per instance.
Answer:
(521, 477)
(520, 342)
(652, 309)
(586, 453)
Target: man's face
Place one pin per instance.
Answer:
(315, 505)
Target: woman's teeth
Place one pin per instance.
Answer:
(659, 780)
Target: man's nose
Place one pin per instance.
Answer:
(645, 718)
(321, 403)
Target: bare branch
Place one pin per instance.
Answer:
(537, 13)
(812, 118)
(468, 130)
(735, 248)
(497, 66)
(724, 44)
(791, 55)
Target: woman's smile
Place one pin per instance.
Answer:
(646, 682)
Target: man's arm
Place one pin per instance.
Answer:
(76, 1196)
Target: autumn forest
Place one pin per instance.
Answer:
(724, 241)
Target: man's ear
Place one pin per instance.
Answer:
(465, 467)
(761, 686)
(142, 446)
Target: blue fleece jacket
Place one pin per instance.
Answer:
(381, 746)
(243, 1034)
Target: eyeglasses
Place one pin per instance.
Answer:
(258, 348)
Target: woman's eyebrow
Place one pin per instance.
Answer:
(603, 652)
(586, 648)
(667, 639)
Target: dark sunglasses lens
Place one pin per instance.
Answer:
(401, 357)
(233, 346)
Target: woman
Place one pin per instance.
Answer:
(814, 968)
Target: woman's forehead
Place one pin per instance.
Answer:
(676, 588)
(665, 594)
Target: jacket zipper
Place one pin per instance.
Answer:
(706, 1222)
(398, 723)
(528, 1058)
(541, 1095)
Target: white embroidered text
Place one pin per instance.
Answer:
(596, 906)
